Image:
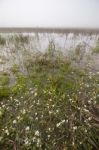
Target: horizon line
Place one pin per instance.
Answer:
(49, 29)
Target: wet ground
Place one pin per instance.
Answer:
(64, 40)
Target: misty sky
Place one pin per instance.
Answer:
(49, 13)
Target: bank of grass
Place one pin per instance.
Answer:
(53, 107)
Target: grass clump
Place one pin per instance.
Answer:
(4, 92)
(4, 80)
(2, 41)
(21, 39)
(15, 69)
(96, 50)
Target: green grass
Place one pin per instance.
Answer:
(14, 69)
(51, 107)
(4, 79)
(96, 50)
(2, 41)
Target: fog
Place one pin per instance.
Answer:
(49, 13)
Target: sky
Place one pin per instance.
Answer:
(49, 13)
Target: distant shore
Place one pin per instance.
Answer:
(49, 30)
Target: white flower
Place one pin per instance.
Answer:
(66, 121)
(26, 141)
(49, 136)
(35, 94)
(38, 142)
(14, 121)
(75, 128)
(50, 112)
(42, 116)
(60, 123)
(3, 106)
(36, 114)
(38, 103)
(7, 132)
(86, 121)
(18, 117)
(98, 72)
(86, 110)
(78, 108)
(32, 92)
(90, 72)
(36, 118)
(27, 128)
(34, 139)
(90, 77)
(94, 102)
(70, 99)
(49, 129)
(11, 97)
(37, 133)
(50, 100)
(23, 111)
(16, 100)
(87, 85)
(85, 130)
(57, 111)
(89, 118)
